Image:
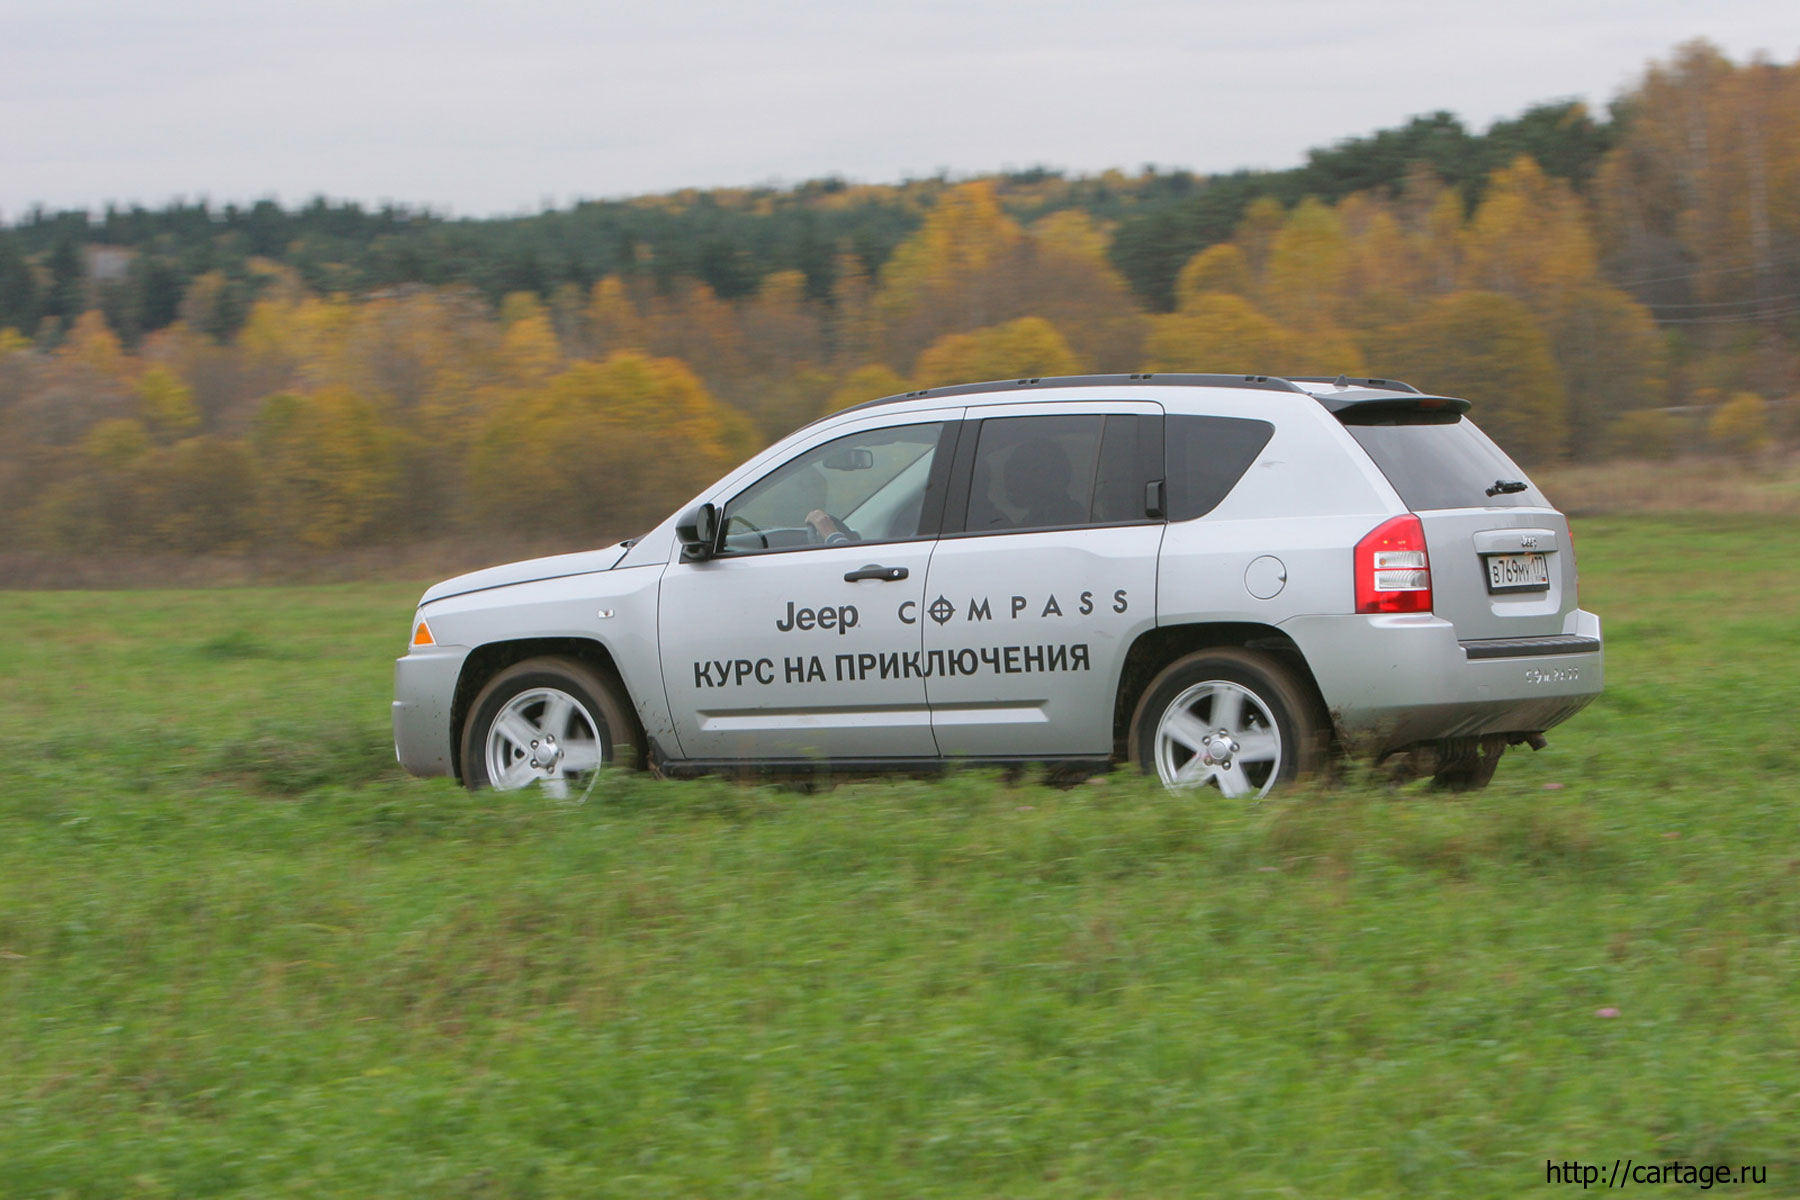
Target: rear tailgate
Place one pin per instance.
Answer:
(1501, 562)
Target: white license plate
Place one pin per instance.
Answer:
(1518, 573)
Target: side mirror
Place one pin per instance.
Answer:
(698, 532)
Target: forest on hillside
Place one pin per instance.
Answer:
(204, 380)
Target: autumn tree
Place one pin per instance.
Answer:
(165, 405)
(614, 320)
(1387, 278)
(604, 448)
(1486, 348)
(1308, 260)
(1061, 272)
(1529, 239)
(1027, 348)
(925, 289)
(329, 468)
(1611, 358)
(1740, 426)
(1218, 268)
(1217, 332)
(871, 382)
(197, 496)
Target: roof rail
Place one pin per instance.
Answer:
(1265, 383)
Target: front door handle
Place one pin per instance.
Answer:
(885, 574)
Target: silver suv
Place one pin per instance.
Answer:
(1221, 579)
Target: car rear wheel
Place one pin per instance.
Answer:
(1232, 720)
(550, 723)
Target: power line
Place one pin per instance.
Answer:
(1741, 319)
(1740, 303)
(1749, 264)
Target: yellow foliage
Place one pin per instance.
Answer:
(1027, 348)
(529, 351)
(197, 496)
(613, 320)
(1443, 239)
(783, 290)
(1072, 233)
(116, 443)
(309, 339)
(13, 342)
(1325, 349)
(1389, 277)
(786, 401)
(1488, 349)
(1256, 230)
(865, 383)
(605, 446)
(854, 325)
(781, 329)
(1529, 238)
(701, 330)
(92, 343)
(1217, 332)
(268, 331)
(1218, 268)
(1611, 356)
(965, 232)
(1741, 425)
(166, 405)
(1309, 257)
(330, 468)
(521, 306)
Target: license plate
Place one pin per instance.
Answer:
(1518, 573)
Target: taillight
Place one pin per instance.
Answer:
(1392, 573)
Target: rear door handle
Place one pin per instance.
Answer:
(885, 574)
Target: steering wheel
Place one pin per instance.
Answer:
(749, 525)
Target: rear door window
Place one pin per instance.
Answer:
(1058, 472)
(1436, 463)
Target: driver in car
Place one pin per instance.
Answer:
(812, 491)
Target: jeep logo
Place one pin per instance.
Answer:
(842, 618)
(1528, 542)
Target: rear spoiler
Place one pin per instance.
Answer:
(1378, 408)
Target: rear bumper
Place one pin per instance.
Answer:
(1392, 680)
(424, 689)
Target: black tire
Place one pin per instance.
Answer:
(1468, 764)
(599, 711)
(1204, 685)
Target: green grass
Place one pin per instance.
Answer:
(240, 955)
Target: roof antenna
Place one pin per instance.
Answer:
(1341, 381)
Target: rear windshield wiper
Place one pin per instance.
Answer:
(1506, 487)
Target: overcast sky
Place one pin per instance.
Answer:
(479, 108)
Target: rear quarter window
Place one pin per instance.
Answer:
(1205, 457)
(1435, 462)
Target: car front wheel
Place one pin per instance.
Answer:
(1233, 720)
(549, 722)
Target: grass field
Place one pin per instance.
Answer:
(241, 956)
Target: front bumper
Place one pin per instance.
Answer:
(424, 692)
(1393, 680)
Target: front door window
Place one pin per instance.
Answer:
(866, 487)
